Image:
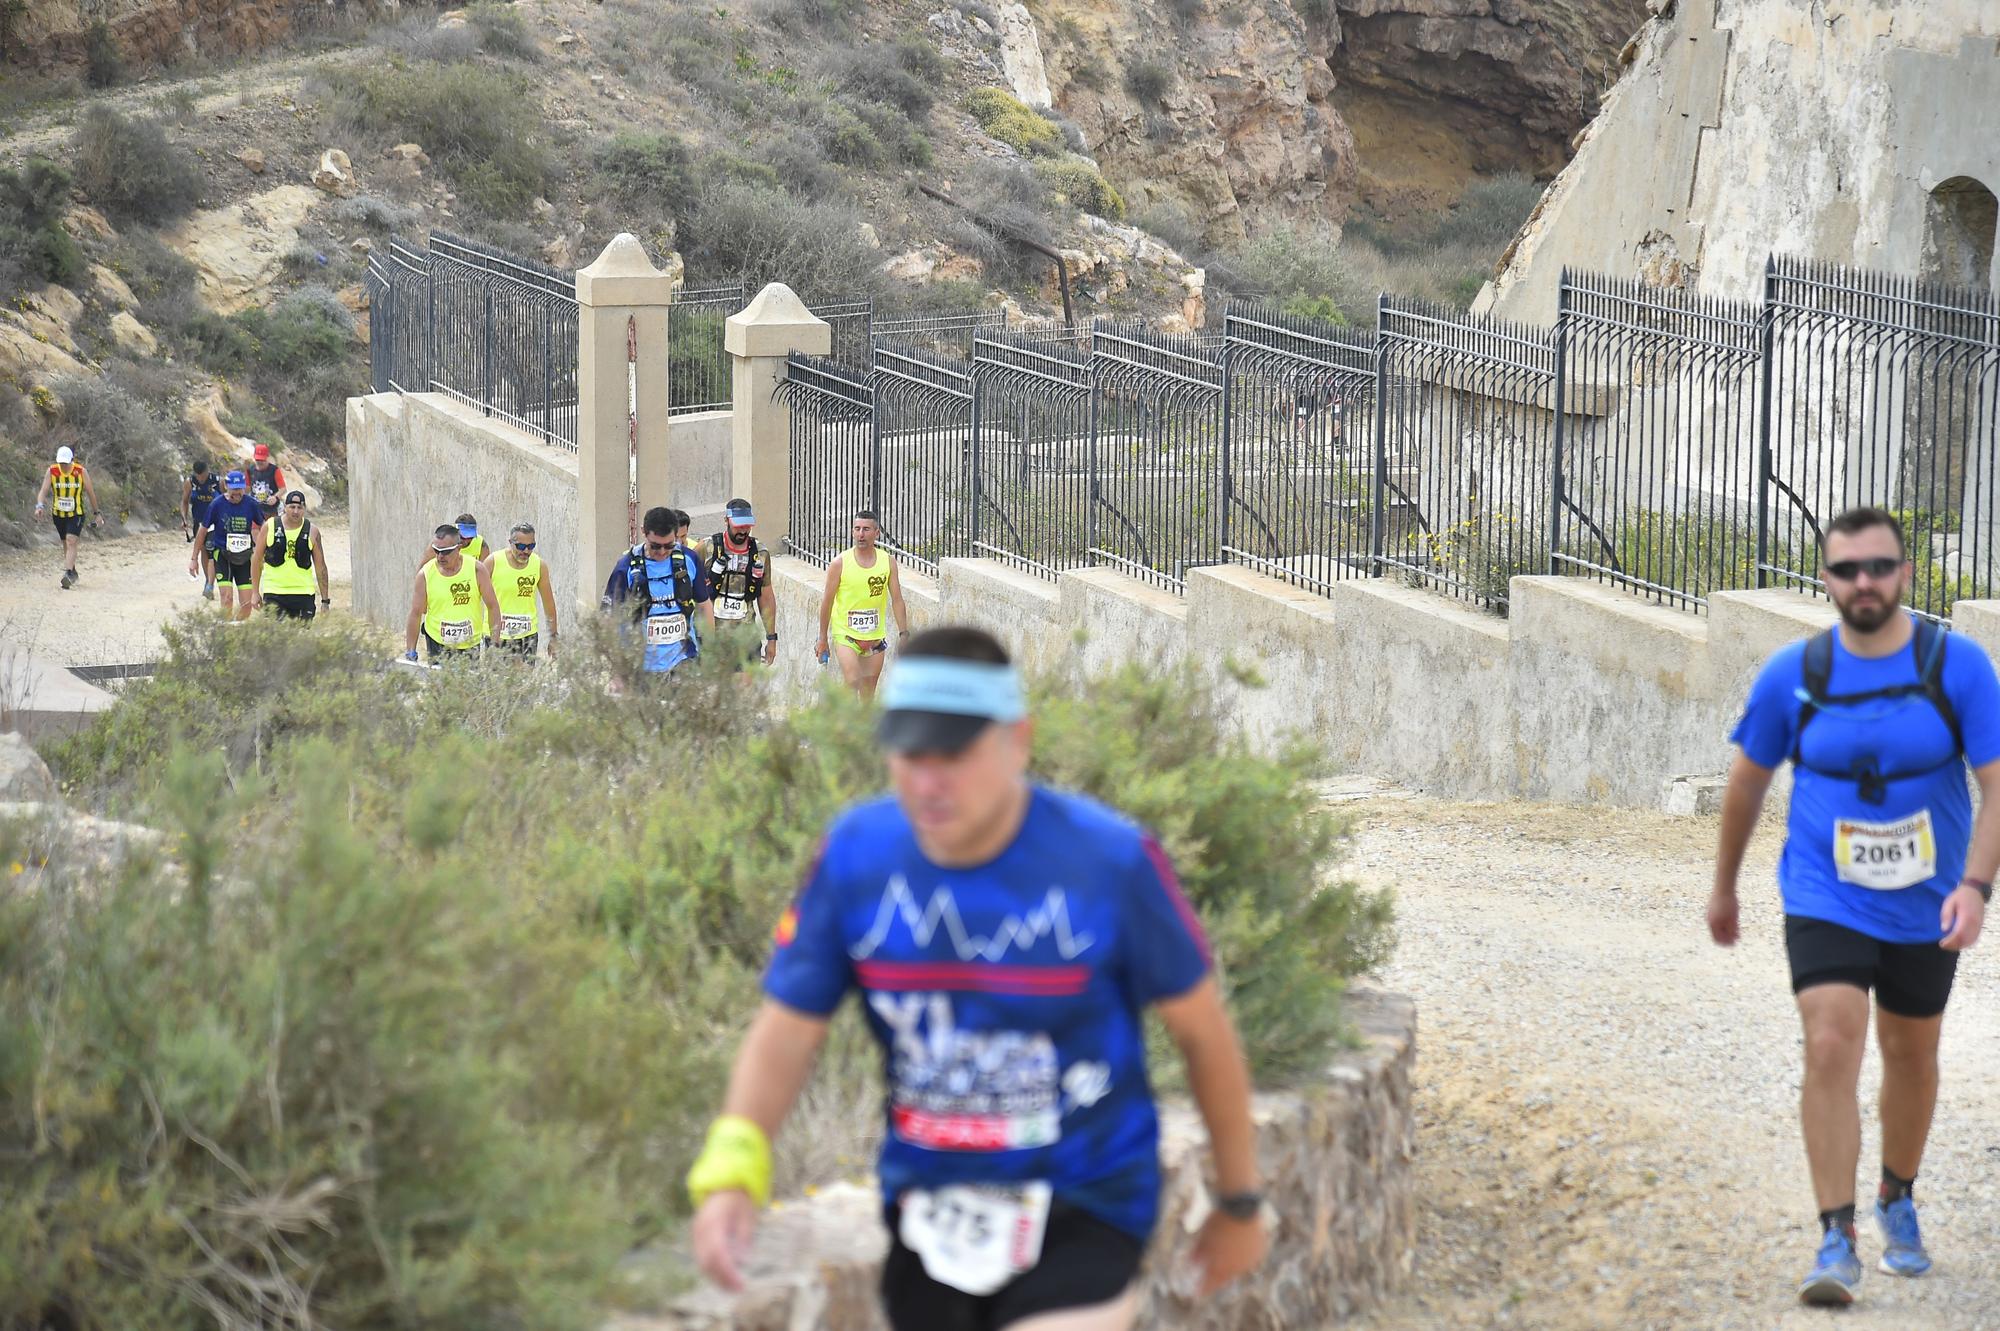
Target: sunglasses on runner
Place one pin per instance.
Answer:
(1847, 570)
(444, 549)
(659, 547)
(524, 547)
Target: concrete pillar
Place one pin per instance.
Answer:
(618, 294)
(758, 339)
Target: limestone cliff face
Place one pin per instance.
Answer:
(1303, 106)
(1223, 105)
(50, 33)
(1439, 90)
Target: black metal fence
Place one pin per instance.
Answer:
(698, 370)
(1670, 444)
(489, 329)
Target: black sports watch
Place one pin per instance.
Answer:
(770, 637)
(1240, 1205)
(1985, 890)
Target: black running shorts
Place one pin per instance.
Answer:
(1084, 1262)
(235, 574)
(525, 645)
(293, 605)
(68, 525)
(1909, 979)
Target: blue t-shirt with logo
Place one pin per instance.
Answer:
(1007, 998)
(1903, 734)
(225, 519)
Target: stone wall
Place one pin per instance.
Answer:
(416, 460)
(1746, 127)
(1343, 1200)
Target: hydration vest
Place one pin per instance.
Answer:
(740, 587)
(202, 491)
(1928, 646)
(264, 484)
(679, 593)
(302, 555)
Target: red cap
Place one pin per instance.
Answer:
(262, 452)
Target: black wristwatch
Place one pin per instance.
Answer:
(1985, 890)
(1240, 1205)
(770, 637)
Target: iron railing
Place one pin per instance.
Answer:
(952, 333)
(698, 370)
(835, 454)
(1881, 390)
(494, 331)
(1032, 453)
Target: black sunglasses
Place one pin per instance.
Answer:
(1847, 570)
(524, 546)
(659, 547)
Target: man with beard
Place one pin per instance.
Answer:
(1885, 876)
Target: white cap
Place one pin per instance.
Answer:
(64, 456)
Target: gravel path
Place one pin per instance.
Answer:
(1607, 1101)
(130, 586)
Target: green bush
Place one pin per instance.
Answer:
(1076, 180)
(502, 30)
(482, 126)
(436, 1039)
(132, 171)
(34, 247)
(1148, 80)
(772, 236)
(130, 454)
(904, 75)
(102, 65)
(1008, 120)
(653, 170)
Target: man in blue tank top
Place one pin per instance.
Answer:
(1885, 876)
(1006, 940)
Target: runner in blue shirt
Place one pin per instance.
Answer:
(664, 583)
(1005, 939)
(1885, 875)
(227, 532)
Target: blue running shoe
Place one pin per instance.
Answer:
(1836, 1272)
(1902, 1243)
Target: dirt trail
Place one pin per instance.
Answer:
(129, 588)
(257, 79)
(1606, 1101)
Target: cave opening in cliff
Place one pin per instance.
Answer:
(1960, 219)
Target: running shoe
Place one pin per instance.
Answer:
(208, 591)
(1836, 1272)
(1902, 1242)
(68, 578)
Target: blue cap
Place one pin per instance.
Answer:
(234, 480)
(468, 530)
(739, 515)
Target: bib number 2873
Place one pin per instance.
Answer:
(1885, 857)
(976, 1238)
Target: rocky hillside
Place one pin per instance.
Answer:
(191, 188)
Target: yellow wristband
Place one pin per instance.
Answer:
(737, 1156)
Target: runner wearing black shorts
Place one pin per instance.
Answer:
(1885, 876)
(1020, 1167)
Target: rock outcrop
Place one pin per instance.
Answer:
(1226, 112)
(237, 251)
(1437, 91)
(49, 34)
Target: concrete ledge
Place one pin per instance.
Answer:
(42, 700)
(1338, 1157)
(1423, 689)
(1121, 620)
(1612, 630)
(1240, 620)
(1979, 621)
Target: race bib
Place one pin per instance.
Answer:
(731, 608)
(65, 504)
(666, 630)
(976, 1238)
(516, 626)
(1885, 857)
(455, 632)
(237, 543)
(864, 623)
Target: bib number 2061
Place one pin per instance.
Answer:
(1885, 857)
